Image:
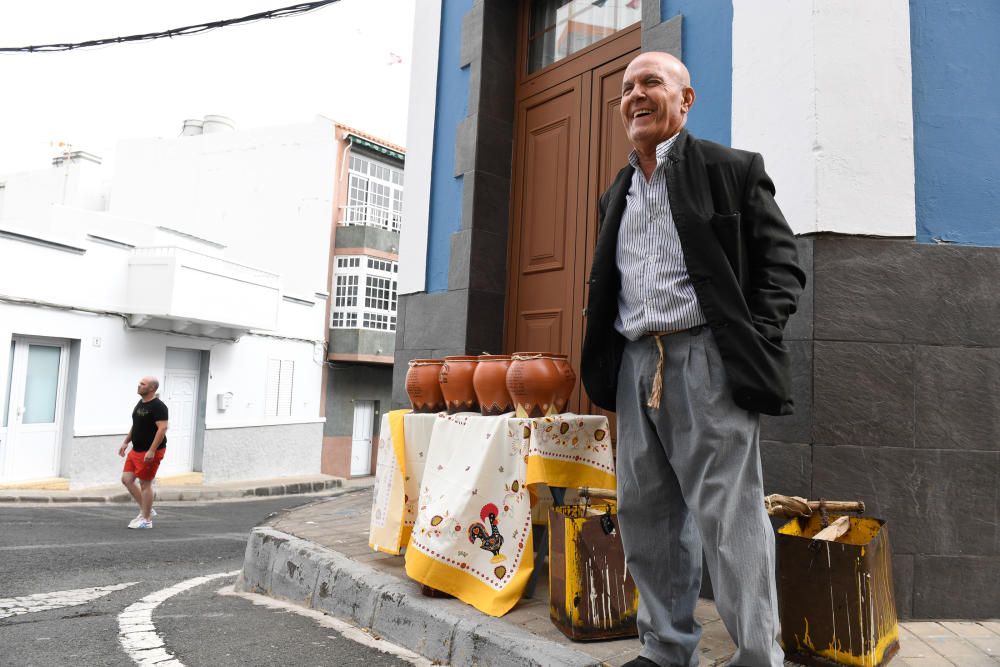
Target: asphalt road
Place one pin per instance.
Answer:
(86, 554)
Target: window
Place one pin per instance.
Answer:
(375, 308)
(343, 320)
(377, 293)
(375, 194)
(278, 397)
(560, 28)
(346, 292)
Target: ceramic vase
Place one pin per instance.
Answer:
(568, 381)
(422, 385)
(455, 379)
(490, 384)
(533, 382)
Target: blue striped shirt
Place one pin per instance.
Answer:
(656, 292)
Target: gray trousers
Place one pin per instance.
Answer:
(689, 477)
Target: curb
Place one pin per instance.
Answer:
(172, 494)
(447, 631)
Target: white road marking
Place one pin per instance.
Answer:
(138, 635)
(348, 631)
(27, 604)
(237, 537)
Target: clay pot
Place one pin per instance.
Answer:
(533, 382)
(455, 379)
(422, 385)
(568, 380)
(490, 384)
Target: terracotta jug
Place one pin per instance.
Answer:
(455, 379)
(568, 381)
(533, 382)
(422, 385)
(490, 384)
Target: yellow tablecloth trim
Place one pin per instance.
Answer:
(397, 433)
(468, 588)
(569, 474)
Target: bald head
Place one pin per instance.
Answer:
(147, 387)
(656, 98)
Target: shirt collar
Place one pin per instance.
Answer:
(662, 149)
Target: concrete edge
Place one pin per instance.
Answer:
(175, 493)
(448, 631)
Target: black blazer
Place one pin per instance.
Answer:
(743, 264)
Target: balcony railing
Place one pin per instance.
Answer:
(371, 216)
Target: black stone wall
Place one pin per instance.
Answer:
(897, 371)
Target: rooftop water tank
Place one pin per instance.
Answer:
(213, 123)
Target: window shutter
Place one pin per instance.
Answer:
(285, 388)
(271, 392)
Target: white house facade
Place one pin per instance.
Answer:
(202, 260)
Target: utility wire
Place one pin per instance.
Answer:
(284, 12)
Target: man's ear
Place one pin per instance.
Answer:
(688, 96)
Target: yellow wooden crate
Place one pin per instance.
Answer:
(591, 595)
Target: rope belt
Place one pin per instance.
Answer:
(657, 393)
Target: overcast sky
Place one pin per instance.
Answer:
(334, 61)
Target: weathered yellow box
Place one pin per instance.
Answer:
(836, 599)
(591, 595)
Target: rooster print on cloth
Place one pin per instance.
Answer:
(474, 513)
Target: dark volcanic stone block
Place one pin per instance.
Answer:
(957, 402)
(900, 291)
(935, 501)
(902, 581)
(800, 324)
(435, 320)
(787, 468)
(796, 427)
(863, 394)
(956, 587)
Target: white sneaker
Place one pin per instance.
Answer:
(142, 523)
(138, 518)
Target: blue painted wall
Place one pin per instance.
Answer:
(451, 109)
(956, 119)
(707, 50)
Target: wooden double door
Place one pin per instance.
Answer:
(569, 145)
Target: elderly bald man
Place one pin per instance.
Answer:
(148, 436)
(694, 276)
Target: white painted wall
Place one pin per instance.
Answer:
(232, 186)
(29, 196)
(419, 147)
(822, 88)
(267, 196)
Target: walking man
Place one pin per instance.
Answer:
(694, 275)
(148, 436)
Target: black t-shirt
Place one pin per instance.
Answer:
(144, 418)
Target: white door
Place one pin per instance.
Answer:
(180, 393)
(31, 430)
(361, 440)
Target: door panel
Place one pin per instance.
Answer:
(180, 393)
(361, 438)
(546, 198)
(609, 150)
(36, 385)
(569, 145)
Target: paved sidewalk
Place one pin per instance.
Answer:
(168, 492)
(318, 556)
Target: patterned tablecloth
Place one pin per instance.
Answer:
(458, 488)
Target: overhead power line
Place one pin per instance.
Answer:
(284, 12)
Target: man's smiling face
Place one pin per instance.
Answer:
(656, 97)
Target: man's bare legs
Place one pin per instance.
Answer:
(145, 498)
(128, 480)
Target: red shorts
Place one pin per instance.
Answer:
(135, 462)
